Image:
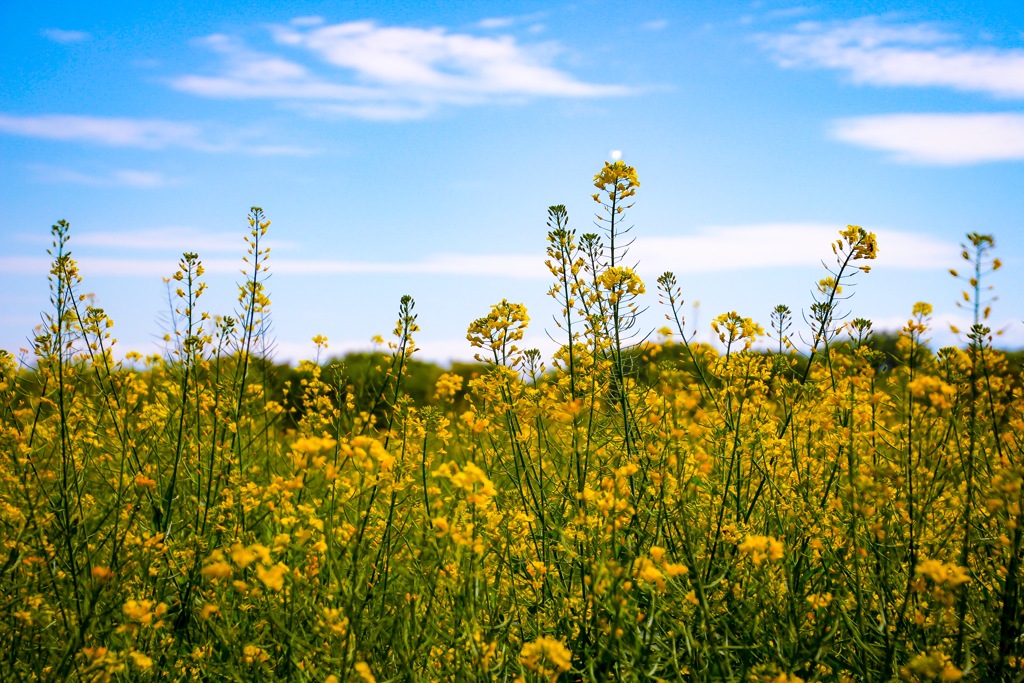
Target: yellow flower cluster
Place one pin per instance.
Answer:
(547, 657)
(863, 245)
(447, 386)
(498, 331)
(760, 548)
(617, 180)
(732, 328)
(943, 574)
(621, 281)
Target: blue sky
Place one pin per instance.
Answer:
(414, 149)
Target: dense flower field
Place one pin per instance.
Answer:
(763, 509)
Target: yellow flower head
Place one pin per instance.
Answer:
(759, 548)
(272, 578)
(732, 327)
(140, 660)
(863, 245)
(447, 386)
(547, 657)
(946, 575)
(617, 179)
(363, 669)
(500, 329)
(622, 280)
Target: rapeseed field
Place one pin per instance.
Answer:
(639, 507)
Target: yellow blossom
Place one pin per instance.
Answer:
(363, 669)
(217, 570)
(547, 657)
(760, 548)
(948, 575)
(272, 578)
(140, 660)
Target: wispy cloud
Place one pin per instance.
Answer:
(496, 23)
(872, 51)
(387, 72)
(111, 132)
(941, 139)
(709, 249)
(116, 178)
(151, 134)
(781, 245)
(64, 37)
(476, 265)
(1008, 331)
(655, 25)
(172, 240)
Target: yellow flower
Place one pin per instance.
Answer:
(272, 578)
(102, 574)
(474, 482)
(447, 385)
(252, 654)
(862, 244)
(363, 669)
(732, 327)
(217, 570)
(675, 569)
(547, 657)
(498, 331)
(140, 660)
(616, 178)
(620, 281)
(243, 556)
(143, 611)
(931, 667)
(760, 548)
(819, 600)
(947, 575)
(144, 482)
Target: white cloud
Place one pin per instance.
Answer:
(175, 238)
(368, 112)
(113, 132)
(781, 245)
(789, 12)
(496, 22)
(1007, 332)
(152, 134)
(65, 37)
(171, 239)
(475, 265)
(178, 238)
(386, 72)
(942, 139)
(307, 21)
(873, 52)
(116, 178)
(709, 249)
(656, 25)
